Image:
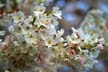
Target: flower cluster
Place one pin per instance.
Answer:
(85, 43)
(31, 37)
(84, 47)
(10, 6)
(35, 41)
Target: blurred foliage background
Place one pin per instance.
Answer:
(73, 13)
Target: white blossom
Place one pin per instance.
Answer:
(39, 9)
(57, 12)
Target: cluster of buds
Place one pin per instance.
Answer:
(35, 41)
